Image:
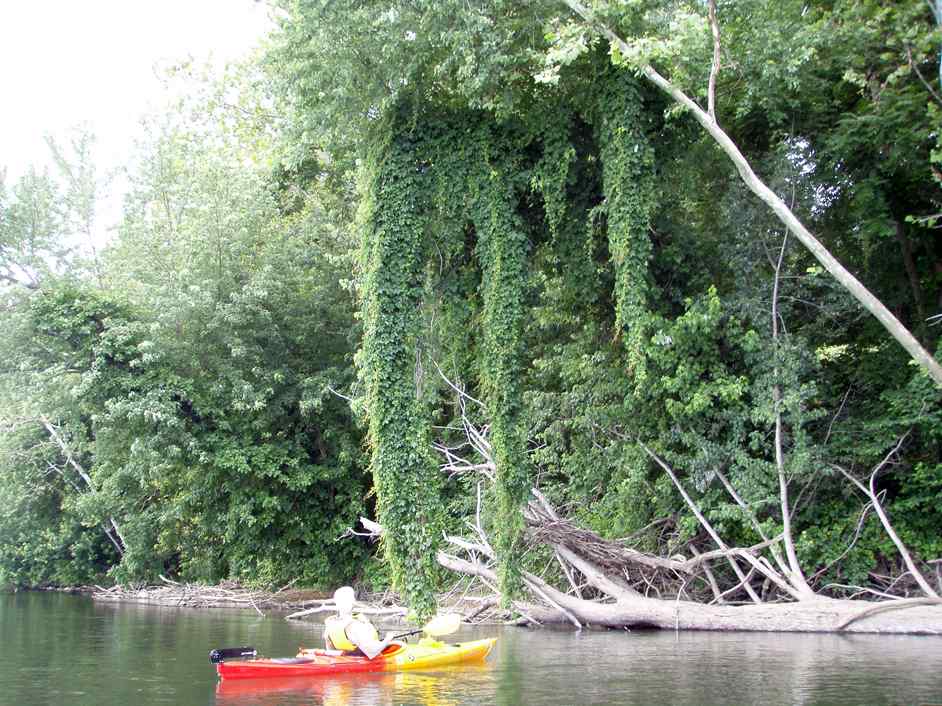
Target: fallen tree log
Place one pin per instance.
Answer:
(621, 606)
(915, 616)
(626, 608)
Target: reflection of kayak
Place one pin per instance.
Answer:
(434, 687)
(425, 654)
(303, 686)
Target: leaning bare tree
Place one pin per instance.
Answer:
(53, 455)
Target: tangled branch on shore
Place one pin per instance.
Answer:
(610, 583)
(192, 595)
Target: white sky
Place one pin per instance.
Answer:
(63, 62)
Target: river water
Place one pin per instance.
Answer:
(63, 649)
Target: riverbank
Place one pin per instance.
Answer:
(289, 601)
(224, 595)
(914, 616)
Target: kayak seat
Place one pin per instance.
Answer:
(388, 651)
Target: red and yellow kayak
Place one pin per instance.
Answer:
(425, 654)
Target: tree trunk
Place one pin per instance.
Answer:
(912, 274)
(916, 616)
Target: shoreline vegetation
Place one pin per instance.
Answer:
(910, 616)
(593, 312)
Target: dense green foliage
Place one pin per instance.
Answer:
(484, 191)
(406, 479)
(193, 388)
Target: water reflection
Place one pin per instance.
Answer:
(383, 689)
(68, 650)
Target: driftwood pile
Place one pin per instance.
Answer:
(225, 595)
(297, 603)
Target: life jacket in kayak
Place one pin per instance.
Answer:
(335, 630)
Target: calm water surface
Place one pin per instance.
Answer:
(61, 649)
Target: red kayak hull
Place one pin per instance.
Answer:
(313, 666)
(427, 654)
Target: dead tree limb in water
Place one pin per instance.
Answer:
(619, 605)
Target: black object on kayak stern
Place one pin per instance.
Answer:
(217, 656)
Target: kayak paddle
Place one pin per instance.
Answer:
(444, 624)
(217, 656)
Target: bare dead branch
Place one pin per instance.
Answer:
(568, 574)
(870, 492)
(795, 575)
(836, 415)
(339, 394)
(711, 579)
(853, 541)
(485, 604)
(863, 589)
(773, 548)
(884, 607)
(915, 68)
(703, 521)
(730, 591)
(462, 395)
(597, 577)
(539, 589)
(66, 451)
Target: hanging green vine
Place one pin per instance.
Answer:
(552, 171)
(469, 185)
(628, 187)
(406, 478)
(502, 248)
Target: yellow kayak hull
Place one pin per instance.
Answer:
(428, 654)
